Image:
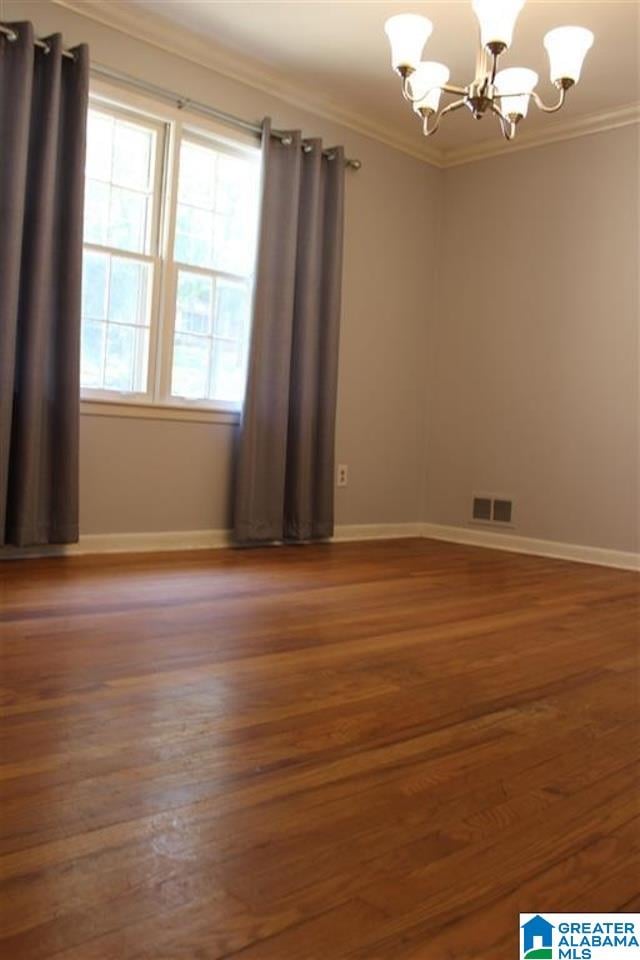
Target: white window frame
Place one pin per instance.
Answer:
(170, 123)
(152, 253)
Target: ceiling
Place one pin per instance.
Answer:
(337, 52)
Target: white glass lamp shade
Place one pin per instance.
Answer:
(497, 18)
(514, 86)
(426, 85)
(407, 33)
(567, 47)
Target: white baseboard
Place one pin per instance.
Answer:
(98, 543)
(539, 548)
(95, 543)
(126, 543)
(376, 531)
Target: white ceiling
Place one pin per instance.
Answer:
(338, 51)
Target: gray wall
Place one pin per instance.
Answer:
(499, 355)
(532, 364)
(143, 475)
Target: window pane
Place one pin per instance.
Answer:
(232, 308)
(116, 302)
(120, 358)
(217, 209)
(231, 251)
(197, 175)
(190, 366)
(194, 303)
(128, 292)
(230, 183)
(96, 211)
(216, 221)
(95, 276)
(194, 236)
(127, 220)
(132, 156)
(99, 145)
(228, 371)
(236, 200)
(232, 326)
(215, 228)
(126, 358)
(93, 344)
(210, 363)
(120, 183)
(119, 212)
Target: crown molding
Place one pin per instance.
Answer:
(235, 66)
(554, 133)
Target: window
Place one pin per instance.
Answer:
(215, 215)
(169, 246)
(120, 251)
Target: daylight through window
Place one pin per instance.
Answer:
(169, 246)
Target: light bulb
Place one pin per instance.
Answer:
(407, 33)
(567, 47)
(497, 19)
(514, 86)
(426, 84)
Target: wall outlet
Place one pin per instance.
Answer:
(342, 475)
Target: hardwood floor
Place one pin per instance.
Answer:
(377, 751)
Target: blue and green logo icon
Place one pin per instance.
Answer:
(537, 939)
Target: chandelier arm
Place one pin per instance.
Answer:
(538, 101)
(553, 109)
(405, 91)
(446, 88)
(455, 105)
(452, 88)
(508, 126)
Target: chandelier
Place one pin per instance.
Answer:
(504, 93)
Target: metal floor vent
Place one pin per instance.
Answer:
(502, 511)
(481, 508)
(492, 509)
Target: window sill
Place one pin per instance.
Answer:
(147, 411)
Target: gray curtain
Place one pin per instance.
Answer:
(43, 106)
(285, 458)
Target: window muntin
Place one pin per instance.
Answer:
(116, 316)
(120, 251)
(216, 209)
(211, 333)
(214, 248)
(170, 226)
(119, 187)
